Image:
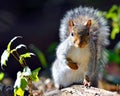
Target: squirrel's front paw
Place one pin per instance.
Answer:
(71, 64)
(86, 81)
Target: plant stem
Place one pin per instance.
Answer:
(15, 57)
(30, 86)
(24, 62)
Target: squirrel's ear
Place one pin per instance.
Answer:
(70, 25)
(88, 24)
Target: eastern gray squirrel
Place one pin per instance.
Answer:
(83, 38)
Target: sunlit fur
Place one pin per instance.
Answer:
(81, 49)
(64, 75)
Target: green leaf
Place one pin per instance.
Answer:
(114, 32)
(4, 58)
(18, 47)
(6, 53)
(113, 8)
(52, 47)
(26, 55)
(19, 92)
(40, 55)
(114, 16)
(20, 84)
(34, 74)
(42, 59)
(24, 83)
(1, 75)
(26, 71)
(18, 80)
(117, 48)
(9, 44)
(23, 56)
(113, 57)
(111, 15)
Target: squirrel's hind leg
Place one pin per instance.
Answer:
(86, 81)
(58, 86)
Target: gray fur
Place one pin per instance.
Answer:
(99, 32)
(102, 31)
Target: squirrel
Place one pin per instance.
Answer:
(83, 37)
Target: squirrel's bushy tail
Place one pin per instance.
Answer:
(99, 28)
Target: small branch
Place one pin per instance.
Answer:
(24, 62)
(15, 57)
(30, 86)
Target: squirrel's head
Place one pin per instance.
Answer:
(79, 33)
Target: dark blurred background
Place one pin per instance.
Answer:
(37, 21)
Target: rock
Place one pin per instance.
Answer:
(80, 90)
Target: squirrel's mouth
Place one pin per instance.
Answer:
(81, 42)
(81, 45)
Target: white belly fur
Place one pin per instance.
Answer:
(64, 75)
(81, 57)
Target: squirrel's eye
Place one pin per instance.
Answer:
(72, 34)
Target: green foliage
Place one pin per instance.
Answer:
(23, 56)
(9, 44)
(4, 58)
(1, 75)
(8, 51)
(117, 48)
(19, 92)
(40, 55)
(52, 47)
(114, 15)
(114, 55)
(24, 78)
(34, 75)
(26, 55)
(18, 47)
(42, 58)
